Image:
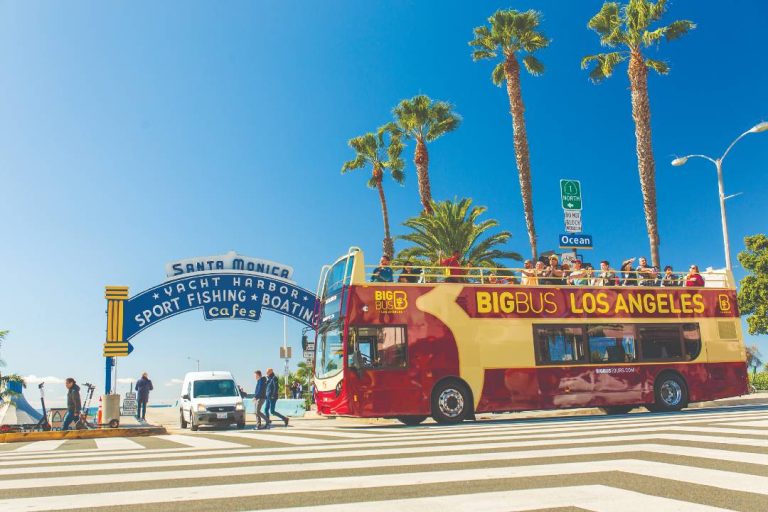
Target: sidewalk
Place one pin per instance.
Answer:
(129, 427)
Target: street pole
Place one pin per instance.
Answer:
(285, 351)
(723, 218)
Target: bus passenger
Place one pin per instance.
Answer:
(627, 276)
(606, 277)
(528, 273)
(646, 274)
(382, 273)
(553, 274)
(694, 278)
(669, 278)
(578, 277)
(453, 270)
(409, 274)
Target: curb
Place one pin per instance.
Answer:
(20, 437)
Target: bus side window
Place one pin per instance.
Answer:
(660, 342)
(381, 347)
(558, 344)
(611, 343)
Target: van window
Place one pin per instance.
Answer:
(215, 388)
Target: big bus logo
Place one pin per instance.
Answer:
(390, 301)
(724, 302)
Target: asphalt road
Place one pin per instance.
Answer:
(695, 460)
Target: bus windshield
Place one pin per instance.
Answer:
(330, 351)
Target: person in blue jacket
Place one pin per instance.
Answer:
(259, 397)
(272, 394)
(143, 387)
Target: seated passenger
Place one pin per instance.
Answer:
(669, 278)
(627, 274)
(579, 276)
(694, 278)
(606, 277)
(382, 273)
(409, 274)
(452, 270)
(527, 273)
(645, 273)
(553, 274)
(494, 279)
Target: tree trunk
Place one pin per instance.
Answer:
(421, 161)
(520, 137)
(388, 245)
(646, 166)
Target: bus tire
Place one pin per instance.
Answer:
(411, 420)
(617, 409)
(670, 392)
(450, 402)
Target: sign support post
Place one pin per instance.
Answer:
(114, 346)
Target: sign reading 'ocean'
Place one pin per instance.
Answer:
(225, 262)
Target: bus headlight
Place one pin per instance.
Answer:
(201, 408)
(338, 388)
(239, 406)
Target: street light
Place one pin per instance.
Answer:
(677, 162)
(196, 360)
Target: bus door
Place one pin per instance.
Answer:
(378, 360)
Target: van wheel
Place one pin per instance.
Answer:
(450, 402)
(671, 393)
(411, 420)
(192, 425)
(182, 421)
(617, 409)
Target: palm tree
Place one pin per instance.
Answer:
(5, 392)
(424, 120)
(511, 33)
(453, 227)
(3, 334)
(382, 151)
(627, 27)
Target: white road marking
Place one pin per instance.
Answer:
(699, 476)
(41, 446)
(598, 498)
(117, 443)
(198, 441)
(276, 438)
(361, 463)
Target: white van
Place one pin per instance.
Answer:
(210, 398)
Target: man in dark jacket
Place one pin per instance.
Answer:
(143, 387)
(259, 396)
(272, 394)
(73, 403)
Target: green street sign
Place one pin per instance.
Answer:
(570, 191)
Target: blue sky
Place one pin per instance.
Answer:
(135, 134)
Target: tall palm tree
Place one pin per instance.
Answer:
(628, 27)
(424, 120)
(511, 33)
(382, 152)
(453, 226)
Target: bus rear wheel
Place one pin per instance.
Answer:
(411, 420)
(450, 402)
(617, 409)
(671, 393)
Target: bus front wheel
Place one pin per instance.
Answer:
(450, 402)
(670, 392)
(411, 420)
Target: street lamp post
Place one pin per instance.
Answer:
(760, 127)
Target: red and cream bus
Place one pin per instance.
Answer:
(450, 350)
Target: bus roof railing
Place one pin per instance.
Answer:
(421, 274)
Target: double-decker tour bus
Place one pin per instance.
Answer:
(453, 349)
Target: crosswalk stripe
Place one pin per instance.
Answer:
(701, 476)
(117, 443)
(276, 438)
(598, 498)
(198, 441)
(41, 446)
(305, 466)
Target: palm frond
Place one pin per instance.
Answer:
(607, 23)
(658, 66)
(533, 65)
(604, 63)
(678, 29)
(498, 76)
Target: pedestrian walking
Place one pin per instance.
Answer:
(74, 406)
(143, 387)
(272, 393)
(259, 396)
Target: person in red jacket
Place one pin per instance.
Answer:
(694, 278)
(453, 271)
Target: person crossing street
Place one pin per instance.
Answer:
(259, 397)
(272, 393)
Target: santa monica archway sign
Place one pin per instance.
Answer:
(225, 287)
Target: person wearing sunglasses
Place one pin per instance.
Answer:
(694, 278)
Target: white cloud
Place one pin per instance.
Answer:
(174, 382)
(34, 379)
